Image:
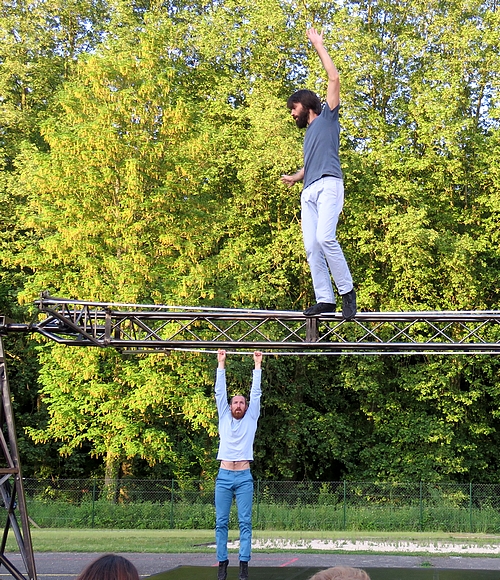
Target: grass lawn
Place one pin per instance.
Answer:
(185, 541)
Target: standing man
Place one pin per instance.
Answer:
(323, 194)
(237, 426)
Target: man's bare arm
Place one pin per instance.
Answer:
(293, 179)
(333, 90)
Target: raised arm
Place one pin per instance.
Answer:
(221, 359)
(333, 90)
(257, 358)
(220, 384)
(255, 391)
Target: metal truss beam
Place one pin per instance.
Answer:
(138, 328)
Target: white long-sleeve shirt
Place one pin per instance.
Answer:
(237, 435)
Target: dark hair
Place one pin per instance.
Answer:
(307, 99)
(110, 567)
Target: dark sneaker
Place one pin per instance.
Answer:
(349, 305)
(243, 571)
(319, 308)
(222, 573)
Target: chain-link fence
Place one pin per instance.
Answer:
(278, 505)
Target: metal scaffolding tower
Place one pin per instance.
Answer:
(11, 481)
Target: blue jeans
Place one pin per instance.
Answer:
(237, 484)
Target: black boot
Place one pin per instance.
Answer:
(243, 571)
(319, 308)
(349, 305)
(222, 573)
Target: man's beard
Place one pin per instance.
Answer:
(302, 118)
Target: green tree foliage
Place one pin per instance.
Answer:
(126, 409)
(112, 210)
(39, 44)
(425, 418)
(154, 176)
(419, 110)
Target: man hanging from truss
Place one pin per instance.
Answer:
(237, 426)
(323, 194)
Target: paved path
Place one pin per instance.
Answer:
(67, 565)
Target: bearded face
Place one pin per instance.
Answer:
(300, 114)
(238, 406)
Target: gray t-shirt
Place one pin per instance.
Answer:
(321, 147)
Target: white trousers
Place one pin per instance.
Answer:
(321, 203)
